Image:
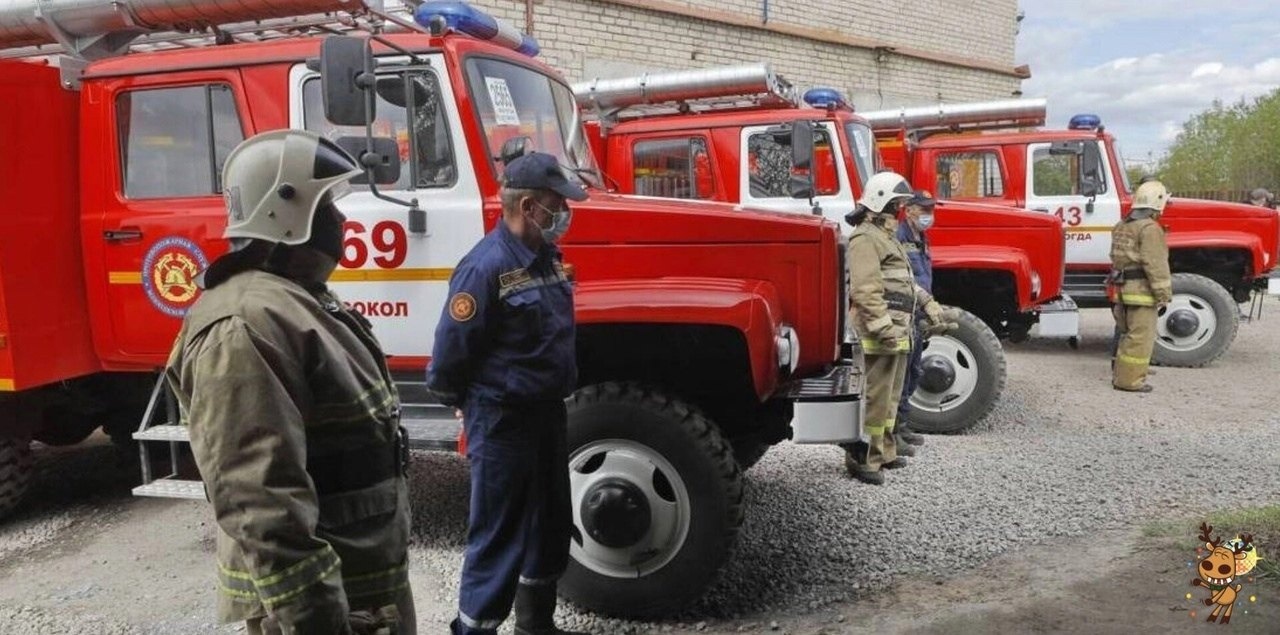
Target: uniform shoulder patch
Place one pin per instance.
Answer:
(462, 307)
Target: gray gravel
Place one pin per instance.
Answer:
(1062, 455)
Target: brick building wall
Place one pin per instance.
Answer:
(881, 54)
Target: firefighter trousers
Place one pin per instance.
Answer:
(1136, 326)
(885, 376)
(521, 516)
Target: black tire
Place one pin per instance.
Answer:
(972, 351)
(692, 445)
(1196, 294)
(15, 473)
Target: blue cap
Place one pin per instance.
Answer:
(541, 171)
(923, 199)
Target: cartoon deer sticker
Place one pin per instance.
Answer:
(1218, 570)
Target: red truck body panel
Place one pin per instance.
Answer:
(44, 321)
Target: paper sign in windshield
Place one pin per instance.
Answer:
(504, 107)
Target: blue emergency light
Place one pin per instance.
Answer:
(1084, 122)
(440, 15)
(828, 98)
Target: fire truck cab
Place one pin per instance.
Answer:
(699, 347)
(1220, 253)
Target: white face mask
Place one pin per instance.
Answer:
(924, 221)
(560, 221)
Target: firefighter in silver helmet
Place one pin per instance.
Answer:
(293, 416)
(1139, 284)
(884, 298)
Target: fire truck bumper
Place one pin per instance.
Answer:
(1060, 318)
(828, 409)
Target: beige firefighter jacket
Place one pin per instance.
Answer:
(1139, 254)
(294, 424)
(882, 290)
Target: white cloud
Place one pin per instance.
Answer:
(1208, 68)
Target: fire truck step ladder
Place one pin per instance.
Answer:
(430, 425)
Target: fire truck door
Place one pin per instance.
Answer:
(162, 208)
(1057, 181)
(766, 170)
(399, 279)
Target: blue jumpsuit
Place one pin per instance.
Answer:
(917, 247)
(504, 354)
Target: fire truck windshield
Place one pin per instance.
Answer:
(863, 143)
(512, 100)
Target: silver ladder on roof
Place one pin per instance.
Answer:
(431, 426)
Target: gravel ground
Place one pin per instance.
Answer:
(1061, 456)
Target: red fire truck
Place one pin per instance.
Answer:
(1220, 252)
(699, 346)
(723, 134)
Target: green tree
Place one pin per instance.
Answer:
(1227, 148)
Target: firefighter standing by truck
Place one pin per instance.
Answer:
(1139, 284)
(884, 299)
(505, 356)
(293, 416)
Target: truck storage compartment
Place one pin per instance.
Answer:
(45, 333)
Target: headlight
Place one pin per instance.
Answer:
(788, 349)
(1035, 284)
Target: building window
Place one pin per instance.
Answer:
(426, 150)
(969, 175)
(672, 168)
(174, 141)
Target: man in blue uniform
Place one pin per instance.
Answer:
(504, 356)
(918, 218)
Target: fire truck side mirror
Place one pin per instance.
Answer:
(513, 148)
(802, 150)
(383, 161)
(1090, 170)
(347, 78)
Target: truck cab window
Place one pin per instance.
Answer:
(1058, 174)
(174, 141)
(769, 166)
(426, 149)
(969, 175)
(673, 168)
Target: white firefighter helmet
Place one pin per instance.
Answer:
(1152, 195)
(882, 188)
(273, 182)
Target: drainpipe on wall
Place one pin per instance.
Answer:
(765, 18)
(528, 16)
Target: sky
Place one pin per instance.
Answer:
(1146, 66)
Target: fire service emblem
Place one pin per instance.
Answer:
(169, 274)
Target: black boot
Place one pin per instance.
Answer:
(535, 611)
(904, 432)
(855, 455)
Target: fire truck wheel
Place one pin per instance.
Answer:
(1198, 326)
(15, 472)
(964, 374)
(657, 501)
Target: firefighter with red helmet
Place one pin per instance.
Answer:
(1139, 284)
(293, 416)
(885, 298)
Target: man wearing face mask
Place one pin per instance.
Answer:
(504, 356)
(293, 416)
(918, 218)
